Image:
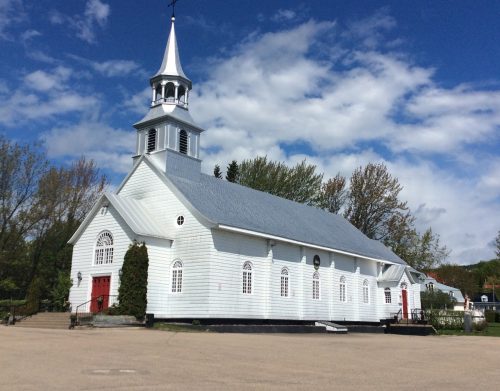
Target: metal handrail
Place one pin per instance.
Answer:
(90, 301)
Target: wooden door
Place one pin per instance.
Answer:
(100, 287)
(404, 294)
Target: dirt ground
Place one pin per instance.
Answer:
(139, 359)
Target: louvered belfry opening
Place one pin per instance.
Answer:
(183, 142)
(151, 140)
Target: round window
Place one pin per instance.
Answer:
(180, 220)
(316, 262)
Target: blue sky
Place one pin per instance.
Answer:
(413, 84)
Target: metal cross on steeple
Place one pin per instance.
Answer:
(172, 4)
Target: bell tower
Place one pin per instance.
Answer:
(168, 133)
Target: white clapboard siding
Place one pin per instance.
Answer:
(107, 219)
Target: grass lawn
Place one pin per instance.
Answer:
(493, 330)
(187, 328)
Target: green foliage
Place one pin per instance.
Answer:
(34, 296)
(60, 292)
(442, 319)
(458, 277)
(373, 200)
(217, 172)
(40, 208)
(300, 183)
(497, 245)
(490, 316)
(233, 172)
(333, 194)
(436, 300)
(132, 293)
(480, 326)
(7, 303)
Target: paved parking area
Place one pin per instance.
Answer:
(138, 359)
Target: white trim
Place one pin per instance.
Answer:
(298, 243)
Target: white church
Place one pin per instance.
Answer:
(221, 251)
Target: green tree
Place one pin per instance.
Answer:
(373, 200)
(458, 277)
(497, 243)
(424, 252)
(233, 172)
(436, 300)
(217, 172)
(132, 293)
(300, 183)
(333, 194)
(60, 291)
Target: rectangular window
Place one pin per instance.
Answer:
(247, 282)
(388, 298)
(342, 292)
(365, 295)
(316, 289)
(284, 286)
(99, 256)
(176, 281)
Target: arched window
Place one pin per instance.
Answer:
(342, 288)
(247, 278)
(430, 287)
(387, 295)
(104, 248)
(366, 294)
(316, 286)
(169, 92)
(284, 282)
(484, 298)
(151, 140)
(158, 98)
(181, 94)
(183, 142)
(177, 277)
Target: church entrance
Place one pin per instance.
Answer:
(404, 294)
(100, 293)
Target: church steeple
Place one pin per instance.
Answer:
(171, 65)
(167, 133)
(170, 84)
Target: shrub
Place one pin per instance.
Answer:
(480, 326)
(490, 316)
(132, 294)
(442, 319)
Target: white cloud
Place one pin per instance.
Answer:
(11, 12)
(95, 15)
(44, 95)
(306, 85)
(283, 15)
(108, 146)
(29, 34)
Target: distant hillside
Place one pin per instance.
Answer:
(470, 279)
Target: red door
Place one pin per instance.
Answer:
(100, 287)
(404, 294)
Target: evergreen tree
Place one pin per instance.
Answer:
(233, 172)
(217, 172)
(132, 293)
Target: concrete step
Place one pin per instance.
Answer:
(331, 327)
(46, 320)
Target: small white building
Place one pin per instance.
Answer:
(218, 250)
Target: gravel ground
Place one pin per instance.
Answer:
(139, 359)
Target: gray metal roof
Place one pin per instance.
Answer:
(230, 204)
(137, 216)
(168, 110)
(392, 273)
(134, 212)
